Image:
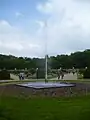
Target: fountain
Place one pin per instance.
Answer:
(45, 33)
(39, 85)
(45, 84)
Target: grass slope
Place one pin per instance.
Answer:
(12, 108)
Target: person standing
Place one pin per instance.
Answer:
(58, 74)
(21, 76)
(73, 71)
(62, 74)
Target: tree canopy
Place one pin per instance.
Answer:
(77, 59)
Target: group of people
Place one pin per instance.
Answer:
(60, 74)
(21, 76)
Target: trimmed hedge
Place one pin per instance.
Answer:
(4, 75)
(84, 73)
(32, 71)
(81, 71)
(87, 74)
(40, 74)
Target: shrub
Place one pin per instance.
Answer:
(40, 74)
(54, 71)
(80, 76)
(87, 73)
(4, 75)
(16, 72)
(32, 71)
(81, 71)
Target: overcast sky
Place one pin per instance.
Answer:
(23, 31)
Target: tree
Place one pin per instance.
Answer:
(77, 59)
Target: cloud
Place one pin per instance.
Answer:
(3, 22)
(40, 23)
(46, 7)
(68, 25)
(83, 1)
(67, 30)
(18, 14)
(14, 41)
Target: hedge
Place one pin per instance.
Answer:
(87, 73)
(4, 75)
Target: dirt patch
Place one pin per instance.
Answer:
(15, 90)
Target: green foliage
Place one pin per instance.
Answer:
(54, 71)
(32, 71)
(4, 75)
(84, 73)
(77, 59)
(15, 72)
(41, 73)
(80, 76)
(87, 74)
(81, 71)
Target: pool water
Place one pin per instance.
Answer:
(45, 85)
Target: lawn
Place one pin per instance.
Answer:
(13, 108)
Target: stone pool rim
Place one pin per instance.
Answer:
(68, 85)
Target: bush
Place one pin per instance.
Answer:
(40, 74)
(32, 71)
(87, 73)
(4, 75)
(16, 72)
(81, 71)
(80, 76)
(54, 71)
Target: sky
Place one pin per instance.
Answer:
(34, 28)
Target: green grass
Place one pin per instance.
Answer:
(12, 108)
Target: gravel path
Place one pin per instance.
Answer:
(68, 77)
(14, 77)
